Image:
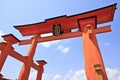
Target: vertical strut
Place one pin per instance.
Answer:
(25, 71)
(4, 54)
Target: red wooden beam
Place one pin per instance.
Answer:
(23, 59)
(103, 29)
(66, 35)
(2, 45)
(20, 57)
(102, 15)
(10, 38)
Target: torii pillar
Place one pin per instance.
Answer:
(6, 48)
(41, 69)
(92, 55)
(25, 71)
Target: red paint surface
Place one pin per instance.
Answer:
(92, 55)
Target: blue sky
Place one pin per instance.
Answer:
(65, 58)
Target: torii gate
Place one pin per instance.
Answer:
(61, 28)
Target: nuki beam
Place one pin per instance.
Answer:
(66, 35)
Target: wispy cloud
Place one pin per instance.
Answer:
(50, 43)
(113, 74)
(63, 49)
(79, 75)
(107, 44)
(57, 77)
(58, 45)
(68, 75)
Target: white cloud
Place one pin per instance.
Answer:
(79, 75)
(58, 45)
(66, 49)
(47, 77)
(57, 77)
(50, 43)
(63, 49)
(68, 75)
(107, 44)
(104, 44)
(113, 74)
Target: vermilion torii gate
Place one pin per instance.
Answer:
(62, 28)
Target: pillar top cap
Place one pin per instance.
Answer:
(10, 38)
(41, 62)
